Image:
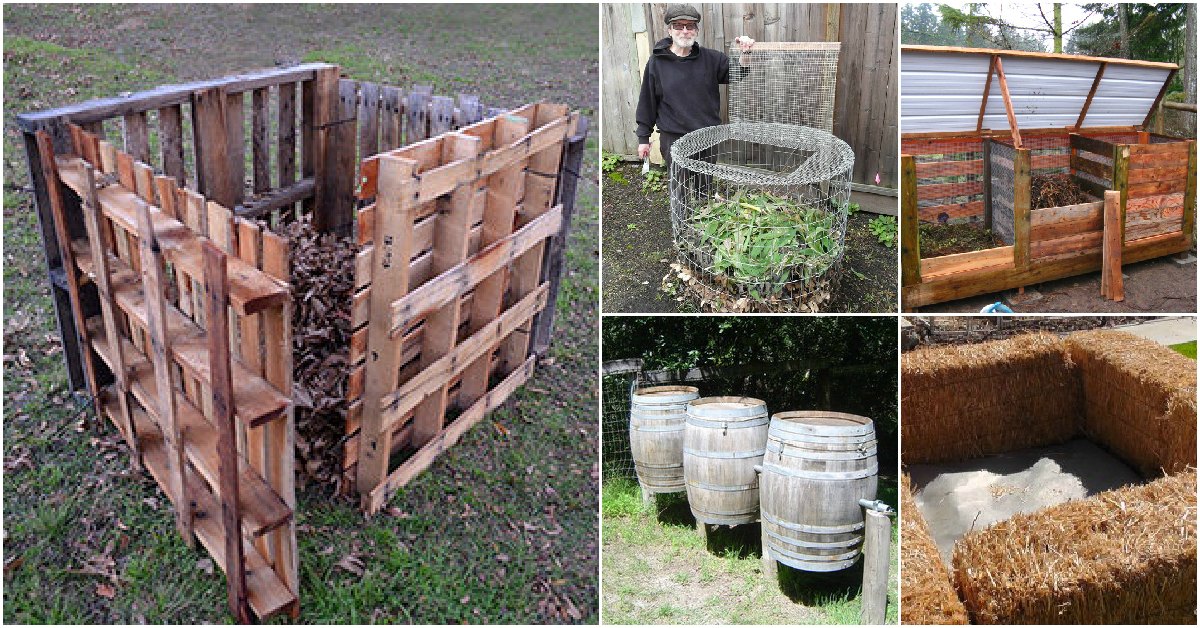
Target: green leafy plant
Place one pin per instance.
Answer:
(852, 208)
(767, 241)
(653, 181)
(609, 161)
(884, 229)
(617, 177)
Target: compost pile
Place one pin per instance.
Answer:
(1056, 190)
(322, 289)
(763, 241)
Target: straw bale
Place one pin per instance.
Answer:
(1126, 556)
(964, 401)
(1140, 399)
(927, 595)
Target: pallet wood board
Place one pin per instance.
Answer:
(444, 313)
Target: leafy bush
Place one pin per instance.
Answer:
(884, 228)
(653, 181)
(609, 161)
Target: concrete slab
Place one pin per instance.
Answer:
(964, 496)
(1170, 331)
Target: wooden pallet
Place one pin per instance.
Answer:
(194, 325)
(449, 280)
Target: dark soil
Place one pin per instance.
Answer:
(947, 239)
(639, 251)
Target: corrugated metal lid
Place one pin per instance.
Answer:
(941, 89)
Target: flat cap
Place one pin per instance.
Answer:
(681, 12)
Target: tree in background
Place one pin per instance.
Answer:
(1149, 32)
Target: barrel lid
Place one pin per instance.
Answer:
(727, 408)
(822, 422)
(665, 394)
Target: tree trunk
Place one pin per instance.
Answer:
(1058, 27)
(1123, 25)
(1189, 66)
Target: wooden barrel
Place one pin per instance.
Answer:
(722, 443)
(816, 468)
(656, 418)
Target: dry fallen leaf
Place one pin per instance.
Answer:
(351, 564)
(106, 591)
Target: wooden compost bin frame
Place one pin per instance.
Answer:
(1155, 177)
(115, 219)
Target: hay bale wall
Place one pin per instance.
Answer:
(1140, 399)
(962, 402)
(927, 596)
(1126, 556)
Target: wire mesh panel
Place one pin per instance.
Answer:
(1003, 186)
(760, 208)
(617, 386)
(789, 83)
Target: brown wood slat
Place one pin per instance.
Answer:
(260, 140)
(1165, 150)
(286, 155)
(263, 509)
(1156, 188)
(391, 118)
(1083, 164)
(1146, 175)
(235, 133)
(217, 180)
(137, 135)
(931, 169)
(1069, 245)
(256, 401)
(170, 138)
(949, 190)
(251, 290)
(265, 592)
(935, 267)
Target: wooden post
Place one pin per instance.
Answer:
(159, 351)
(1189, 196)
(1021, 207)
(910, 243)
(212, 166)
(222, 417)
(1121, 180)
(987, 183)
(877, 539)
(1008, 106)
(394, 211)
(1111, 282)
(552, 268)
(331, 211)
(769, 564)
(647, 498)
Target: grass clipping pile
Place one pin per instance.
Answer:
(768, 254)
(1126, 556)
(322, 289)
(927, 596)
(966, 401)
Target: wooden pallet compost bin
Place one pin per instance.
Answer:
(168, 275)
(1121, 556)
(979, 126)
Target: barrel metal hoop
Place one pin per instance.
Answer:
(726, 518)
(723, 488)
(725, 425)
(805, 563)
(793, 542)
(808, 454)
(723, 454)
(638, 428)
(800, 527)
(871, 470)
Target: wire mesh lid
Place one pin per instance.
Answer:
(830, 157)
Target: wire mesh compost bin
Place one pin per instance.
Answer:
(173, 276)
(1022, 150)
(759, 206)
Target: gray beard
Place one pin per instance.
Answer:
(677, 41)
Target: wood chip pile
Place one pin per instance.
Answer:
(1140, 399)
(962, 402)
(1056, 190)
(322, 284)
(1126, 556)
(927, 596)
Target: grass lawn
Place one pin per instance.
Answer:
(1186, 348)
(657, 570)
(502, 528)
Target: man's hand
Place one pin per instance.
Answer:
(643, 151)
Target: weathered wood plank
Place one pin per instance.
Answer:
(910, 244)
(933, 268)
(170, 138)
(217, 181)
(1021, 204)
(260, 147)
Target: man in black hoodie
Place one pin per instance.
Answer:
(680, 90)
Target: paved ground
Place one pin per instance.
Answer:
(971, 495)
(1171, 331)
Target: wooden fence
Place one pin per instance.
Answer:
(169, 267)
(865, 107)
(442, 306)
